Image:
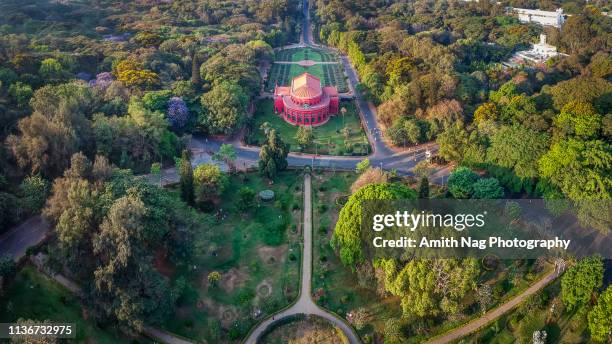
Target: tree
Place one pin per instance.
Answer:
(579, 120)
(392, 331)
(304, 135)
(127, 286)
(34, 191)
(133, 74)
(452, 142)
(600, 317)
(581, 169)
(461, 182)
(227, 154)
(224, 108)
(21, 93)
(186, 178)
(346, 238)
(359, 318)
(209, 182)
(487, 188)
(363, 165)
(519, 149)
(178, 113)
(213, 278)
(486, 112)
(580, 281)
(424, 188)
(58, 127)
(368, 177)
(8, 268)
(246, 198)
(156, 100)
(50, 69)
(273, 155)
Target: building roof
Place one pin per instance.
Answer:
(306, 86)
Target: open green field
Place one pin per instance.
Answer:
(330, 74)
(32, 295)
(257, 252)
(328, 138)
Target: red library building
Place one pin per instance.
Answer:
(305, 102)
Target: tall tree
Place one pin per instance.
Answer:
(273, 155)
(580, 281)
(186, 178)
(600, 317)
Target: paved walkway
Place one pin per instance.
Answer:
(493, 314)
(304, 304)
(301, 62)
(16, 241)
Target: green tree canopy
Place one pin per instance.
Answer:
(600, 317)
(580, 281)
(347, 234)
(224, 108)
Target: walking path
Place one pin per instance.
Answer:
(305, 304)
(491, 315)
(16, 241)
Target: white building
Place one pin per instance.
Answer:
(548, 18)
(539, 53)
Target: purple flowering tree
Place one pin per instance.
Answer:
(177, 112)
(102, 80)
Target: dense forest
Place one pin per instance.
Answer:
(92, 92)
(434, 69)
(123, 80)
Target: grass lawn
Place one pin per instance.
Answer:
(328, 138)
(299, 54)
(256, 252)
(330, 74)
(32, 295)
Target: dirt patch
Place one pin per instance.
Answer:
(264, 289)
(307, 63)
(227, 315)
(233, 278)
(161, 263)
(272, 254)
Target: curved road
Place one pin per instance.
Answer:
(304, 304)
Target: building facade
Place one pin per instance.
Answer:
(306, 102)
(547, 18)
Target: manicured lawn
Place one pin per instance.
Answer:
(257, 253)
(299, 54)
(328, 138)
(330, 74)
(32, 295)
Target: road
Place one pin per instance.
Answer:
(305, 304)
(16, 241)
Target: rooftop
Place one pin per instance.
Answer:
(306, 85)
